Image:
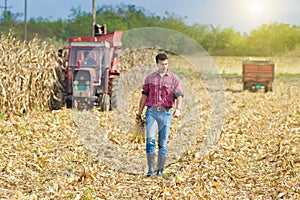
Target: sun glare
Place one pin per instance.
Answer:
(256, 7)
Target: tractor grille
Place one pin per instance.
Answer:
(82, 77)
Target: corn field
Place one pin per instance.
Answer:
(66, 154)
(28, 75)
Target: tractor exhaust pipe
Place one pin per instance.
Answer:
(94, 16)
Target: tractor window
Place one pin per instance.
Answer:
(88, 56)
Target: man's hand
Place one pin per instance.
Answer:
(176, 113)
(139, 119)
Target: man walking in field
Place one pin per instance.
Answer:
(162, 94)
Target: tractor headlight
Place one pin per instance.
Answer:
(75, 82)
(88, 82)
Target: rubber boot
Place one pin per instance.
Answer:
(150, 159)
(160, 165)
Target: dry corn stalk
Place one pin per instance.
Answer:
(29, 74)
(137, 57)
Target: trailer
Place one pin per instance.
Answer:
(258, 74)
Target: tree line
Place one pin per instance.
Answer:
(273, 39)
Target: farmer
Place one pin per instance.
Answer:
(160, 93)
(88, 60)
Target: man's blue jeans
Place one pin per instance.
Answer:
(158, 121)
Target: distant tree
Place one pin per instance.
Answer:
(8, 22)
(79, 23)
(198, 32)
(273, 39)
(113, 17)
(268, 40)
(221, 42)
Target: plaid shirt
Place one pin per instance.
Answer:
(162, 90)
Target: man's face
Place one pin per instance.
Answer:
(162, 66)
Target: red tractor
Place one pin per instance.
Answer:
(91, 69)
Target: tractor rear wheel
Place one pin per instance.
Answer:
(245, 86)
(266, 88)
(270, 87)
(56, 102)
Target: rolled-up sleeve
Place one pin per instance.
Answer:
(178, 91)
(145, 88)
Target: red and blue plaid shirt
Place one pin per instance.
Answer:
(162, 90)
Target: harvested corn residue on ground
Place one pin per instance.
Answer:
(256, 156)
(55, 154)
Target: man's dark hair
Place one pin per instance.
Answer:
(161, 56)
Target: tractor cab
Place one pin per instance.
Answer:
(87, 64)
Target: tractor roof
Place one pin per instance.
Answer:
(114, 39)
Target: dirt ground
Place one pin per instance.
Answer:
(68, 155)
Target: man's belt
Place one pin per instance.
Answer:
(160, 109)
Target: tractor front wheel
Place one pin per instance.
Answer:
(114, 94)
(105, 104)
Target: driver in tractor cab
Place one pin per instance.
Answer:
(87, 61)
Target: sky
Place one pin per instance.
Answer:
(241, 15)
